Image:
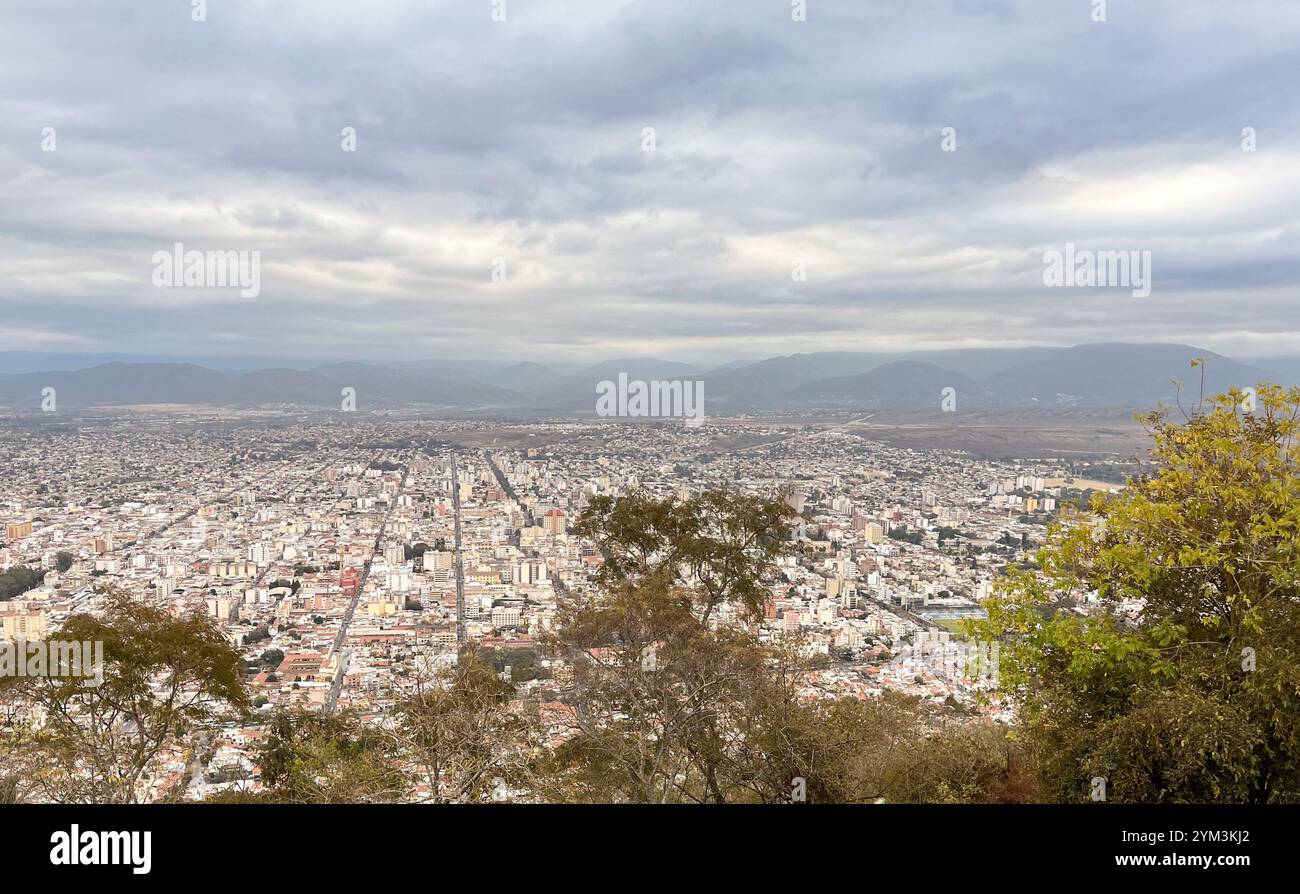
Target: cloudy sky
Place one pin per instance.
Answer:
(522, 144)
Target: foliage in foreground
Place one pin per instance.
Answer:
(1187, 688)
(66, 741)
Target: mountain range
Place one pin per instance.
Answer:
(1116, 375)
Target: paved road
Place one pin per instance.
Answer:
(336, 687)
(510, 490)
(460, 567)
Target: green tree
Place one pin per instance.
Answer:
(666, 709)
(18, 580)
(1183, 684)
(315, 758)
(655, 695)
(668, 706)
(100, 743)
(462, 733)
(722, 544)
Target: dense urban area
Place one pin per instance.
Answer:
(348, 559)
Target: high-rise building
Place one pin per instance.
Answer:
(554, 521)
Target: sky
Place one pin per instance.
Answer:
(499, 194)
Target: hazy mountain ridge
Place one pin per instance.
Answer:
(900, 385)
(1108, 374)
(168, 383)
(1097, 375)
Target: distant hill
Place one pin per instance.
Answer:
(282, 386)
(576, 393)
(980, 363)
(758, 384)
(901, 385)
(645, 368)
(1287, 369)
(1124, 376)
(170, 383)
(754, 385)
(115, 383)
(1118, 375)
(521, 376)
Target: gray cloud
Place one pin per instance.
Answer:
(777, 142)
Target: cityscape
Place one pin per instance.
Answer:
(815, 418)
(342, 557)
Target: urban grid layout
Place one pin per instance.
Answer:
(345, 559)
